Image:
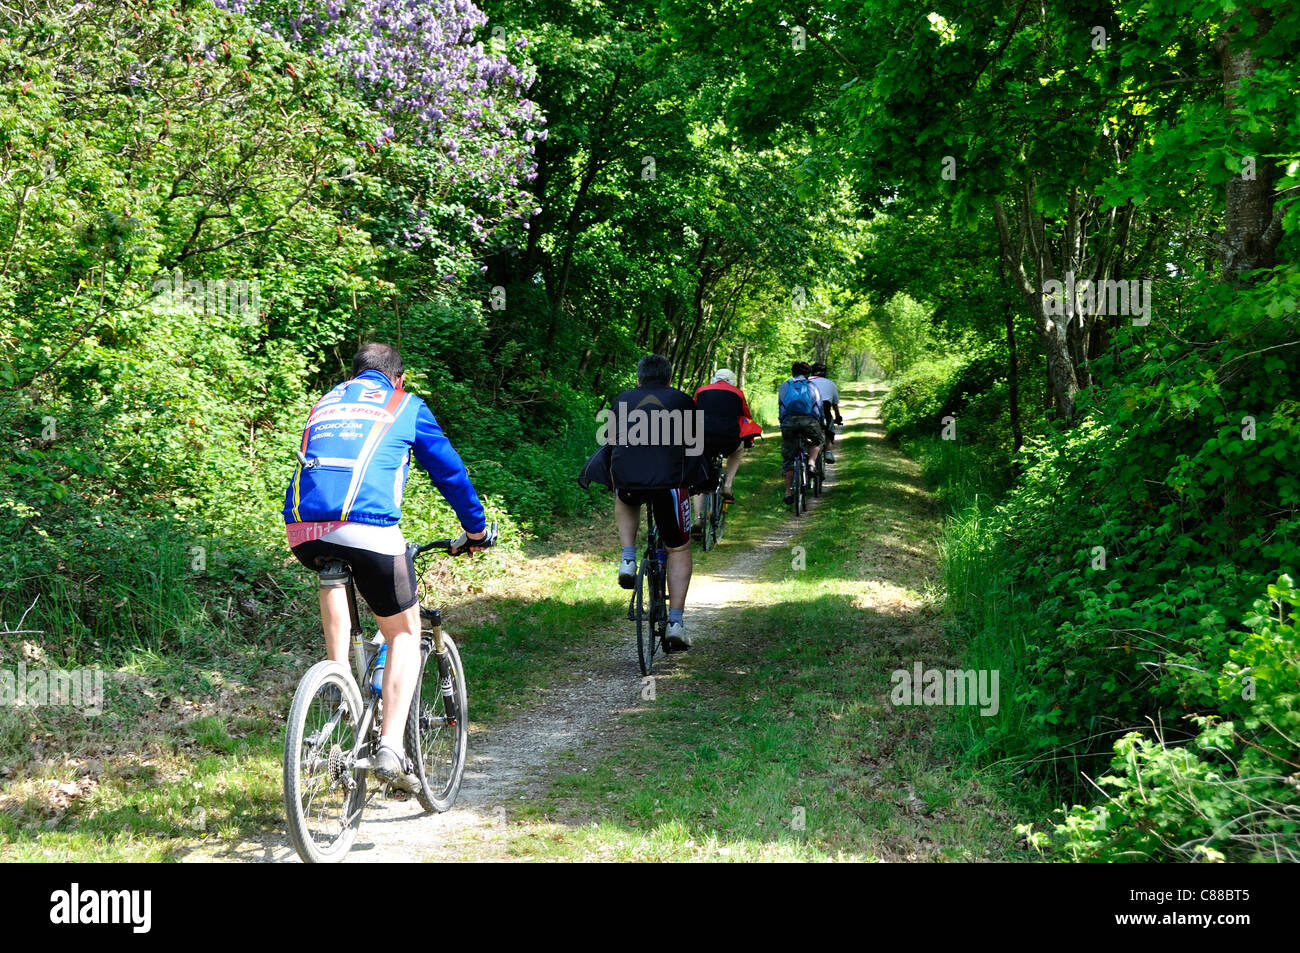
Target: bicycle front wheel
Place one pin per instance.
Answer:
(646, 626)
(437, 728)
(323, 796)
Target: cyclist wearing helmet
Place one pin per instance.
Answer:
(800, 409)
(830, 395)
(725, 410)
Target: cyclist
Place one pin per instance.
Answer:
(799, 408)
(344, 503)
(830, 395)
(725, 409)
(656, 473)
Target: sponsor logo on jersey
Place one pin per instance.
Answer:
(350, 412)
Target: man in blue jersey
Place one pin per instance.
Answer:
(799, 408)
(344, 503)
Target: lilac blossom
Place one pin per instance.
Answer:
(420, 64)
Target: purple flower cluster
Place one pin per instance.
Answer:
(419, 63)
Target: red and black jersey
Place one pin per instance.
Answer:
(723, 407)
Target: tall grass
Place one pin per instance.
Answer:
(988, 616)
(117, 595)
(762, 404)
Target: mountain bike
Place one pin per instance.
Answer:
(648, 605)
(331, 734)
(713, 510)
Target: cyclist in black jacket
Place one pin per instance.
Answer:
(656, 466)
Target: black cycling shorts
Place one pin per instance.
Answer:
(720, 445)
(387, 583)
(672, 512)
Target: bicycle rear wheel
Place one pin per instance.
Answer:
(706, 522)
(646, 626)
(323, 800)
(720, 519)
(437, 728)
(797, 485)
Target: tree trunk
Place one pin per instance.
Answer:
(592, 166)
(1252, 227)
(1013, 368)
(1052, 330)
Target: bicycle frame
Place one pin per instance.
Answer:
(317, 763)
(717, 504)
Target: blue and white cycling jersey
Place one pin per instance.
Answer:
(358, 444)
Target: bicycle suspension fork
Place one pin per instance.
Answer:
(443, 657)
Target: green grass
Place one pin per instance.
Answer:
(212, 778)
(986, 617)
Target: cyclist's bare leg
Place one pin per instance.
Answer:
(628, 519)
(402, 631)
(336, 622)
(733, 464)
(679, 575)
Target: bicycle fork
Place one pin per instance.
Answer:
(443, 657)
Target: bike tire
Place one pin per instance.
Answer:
(438, 749)
(706, 522)
(819, 474)
(797, 485)
(646, 641)
(322, 829)
(722, 522)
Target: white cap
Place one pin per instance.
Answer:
(722, 374)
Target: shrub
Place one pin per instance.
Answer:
(1231, 793)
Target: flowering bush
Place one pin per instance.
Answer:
(459, 105)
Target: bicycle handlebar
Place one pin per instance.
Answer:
(448, 545)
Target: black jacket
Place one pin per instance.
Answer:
(645, 462)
